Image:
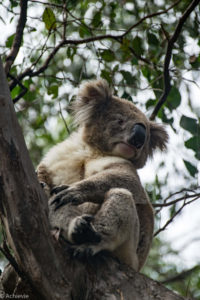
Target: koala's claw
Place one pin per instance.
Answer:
(65, 196)
(58, 189)
(57, 202)
(83, 252)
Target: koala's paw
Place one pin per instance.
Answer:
(82, 231)
(63, 195)
(84, 251)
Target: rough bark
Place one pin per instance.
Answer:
(45, 269)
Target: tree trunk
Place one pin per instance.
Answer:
(41, 267)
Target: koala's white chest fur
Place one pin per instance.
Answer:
(73, 160)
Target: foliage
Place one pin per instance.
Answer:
(124, 42)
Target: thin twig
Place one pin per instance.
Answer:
(24, 89)
(68, 131)
(6, 252)
(179, 277)
(171, 42)
(18, 36)
(185, 196)
(184, 190)
(175, 201)
(47, 3)
(119, 38)
(174, 215)
(150, 16)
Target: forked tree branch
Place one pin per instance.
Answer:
(18, 36)
(171, 219)
(119, 38)
(171, 42)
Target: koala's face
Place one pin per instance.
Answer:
(121, 130)
(125, 128)
(116, 126)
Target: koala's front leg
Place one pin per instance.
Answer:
(88, 190)
(92, 189)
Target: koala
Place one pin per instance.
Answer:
(97, 201)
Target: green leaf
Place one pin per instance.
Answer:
(108, 55)
(2, 20)
(53, 90)
(134, 61)
(174, 98)
(49, 18)
(126, 96)
(9, 41)
(116, 68)
(179, 60)
(193, 143)
(71, 51)
(96, 19)
(15, 92)
(106, 75)
(123, 52)
(84, 31)
(150, 103)
(189, 124)
(191, 169)
(152, 40)
(146, 72)
(13, 3)
(137, 45)
(165, 118)
(127, 76)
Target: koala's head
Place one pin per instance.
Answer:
(116, 126)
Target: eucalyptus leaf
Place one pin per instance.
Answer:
(174, 98)
(189, 124)
(191, 168)
(49, 19)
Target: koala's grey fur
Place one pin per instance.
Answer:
(106, 205)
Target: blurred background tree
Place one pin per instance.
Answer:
(149, 52)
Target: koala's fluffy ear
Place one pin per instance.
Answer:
(91, 100)
(158, 137)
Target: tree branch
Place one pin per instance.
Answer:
(181, 276)
(151, 16)
(185, 197)
(174, 215)
(18, 36)
(24, 89)
(29, 71)
(23, 208)
(172, 40)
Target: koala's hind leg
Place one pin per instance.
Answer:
(118, 225)
(74, 223)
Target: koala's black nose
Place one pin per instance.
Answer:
(138, 136)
